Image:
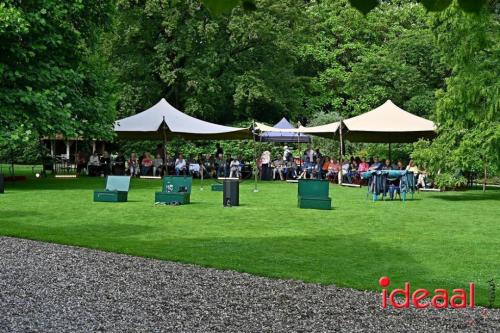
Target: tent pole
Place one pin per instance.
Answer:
(341, 178)
(255, 190)
(300, 149)
(202, 166)
(165, 172)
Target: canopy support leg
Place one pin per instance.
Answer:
(202, 167)
(255, 169)
(165, 162)
(341, 176)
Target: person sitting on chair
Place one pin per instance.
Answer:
(133, 165)
(278, 168)
(332, 170)
(376, 164)
(363, 166)
(387, 165)
(94, 166)
(146, 164)
(158, 165)
(422, 177)
(346, 171)
(400, 166)
(194, 167)
(180, 165)
(119, 166)
(234, 168)
(412, 167)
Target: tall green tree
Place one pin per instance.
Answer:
(52, 80)
(468, 107)
(223, 68)
(354, 62)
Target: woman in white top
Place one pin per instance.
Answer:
(180, 165)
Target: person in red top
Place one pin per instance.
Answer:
(363, 166)
(333, 169)
(146, 164)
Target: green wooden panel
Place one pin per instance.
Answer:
(313, 188)
(172, 197)
(110, 196)
(315, 203)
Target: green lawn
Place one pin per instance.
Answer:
(439, 240)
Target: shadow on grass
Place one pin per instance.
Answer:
(469, 196)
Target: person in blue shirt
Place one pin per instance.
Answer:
(376, 164)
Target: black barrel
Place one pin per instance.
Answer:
(2, 183)
(231, 193)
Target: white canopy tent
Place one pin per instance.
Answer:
(162, 121)
(388, 124)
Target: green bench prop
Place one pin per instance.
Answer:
(116, 190)
(313, 193)
(175, 190)
(217, 187)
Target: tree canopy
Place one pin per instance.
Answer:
(468, 106)
(73, 67)
(53, 78)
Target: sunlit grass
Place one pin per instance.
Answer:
(439, 240)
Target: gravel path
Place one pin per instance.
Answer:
(54, 288)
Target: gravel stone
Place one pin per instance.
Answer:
(55, 288)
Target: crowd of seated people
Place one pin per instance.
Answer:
(210, 165)
(311, 165)
(314, 165)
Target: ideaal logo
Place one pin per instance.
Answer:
(439, 300)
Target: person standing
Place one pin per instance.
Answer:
(219, 152)
(265, 165)
(320, 160)
(106, 163)
(287, 154)
(81, 163)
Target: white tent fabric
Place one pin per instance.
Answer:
(388, 123)
(327, 130)
(164, 121)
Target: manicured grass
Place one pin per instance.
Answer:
(439, 240)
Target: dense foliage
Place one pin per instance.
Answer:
(468, 107)
(53, 79)
(72, 67)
